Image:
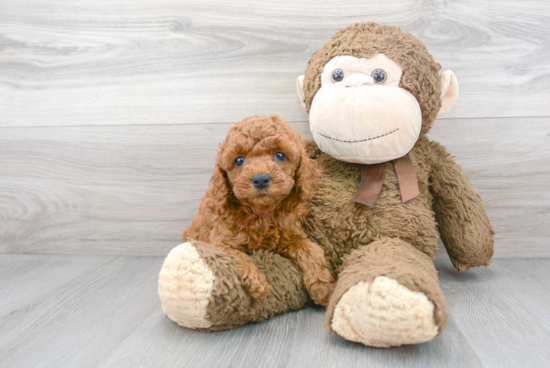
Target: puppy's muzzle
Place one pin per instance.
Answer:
(261, 181)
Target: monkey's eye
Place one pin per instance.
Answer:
(379, 76)
(337, 75)
(279, 156)
(239, 161)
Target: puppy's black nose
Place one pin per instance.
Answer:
(261, 181)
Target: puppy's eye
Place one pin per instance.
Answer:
(239, 161)
(337, 75)
(379, 76)
(279, 156)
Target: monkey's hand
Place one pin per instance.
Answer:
(463, 223)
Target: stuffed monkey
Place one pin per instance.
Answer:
(386, 193)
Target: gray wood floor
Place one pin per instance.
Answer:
(103, 311)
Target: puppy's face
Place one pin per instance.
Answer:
(260, 157)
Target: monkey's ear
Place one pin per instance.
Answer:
(449, 92)
(300, 90)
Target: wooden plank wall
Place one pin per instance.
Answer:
(110, 111)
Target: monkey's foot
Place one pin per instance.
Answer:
(383, 314)
(185, 286)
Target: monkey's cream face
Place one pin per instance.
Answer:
(360, 114)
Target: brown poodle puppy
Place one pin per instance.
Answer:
(256, 200)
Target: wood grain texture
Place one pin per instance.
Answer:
(109, 315)
(497, 308)
(134, 190)
(79, 322)
(22, 281)
(89, 62)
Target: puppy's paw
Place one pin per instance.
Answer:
(320, 292)
(321, 287)
(255, 283)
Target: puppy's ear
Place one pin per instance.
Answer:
(220, 185)
(222, 193)
(306, 176)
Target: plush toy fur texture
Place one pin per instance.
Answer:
(365, 247)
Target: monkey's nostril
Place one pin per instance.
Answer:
(261, 181)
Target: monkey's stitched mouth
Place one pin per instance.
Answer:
(362, 140)
(360, 85)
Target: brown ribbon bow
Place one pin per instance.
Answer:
(372, 179)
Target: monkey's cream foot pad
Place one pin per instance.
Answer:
(383, 314)
(185, 286)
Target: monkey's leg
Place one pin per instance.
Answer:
(387, 294)
(199, 288)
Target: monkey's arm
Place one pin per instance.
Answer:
(463, 223)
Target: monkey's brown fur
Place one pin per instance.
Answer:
(239, 218)
(420, 71)
(392, 239)
(349, 231)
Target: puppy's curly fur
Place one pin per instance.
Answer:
(238, 217)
